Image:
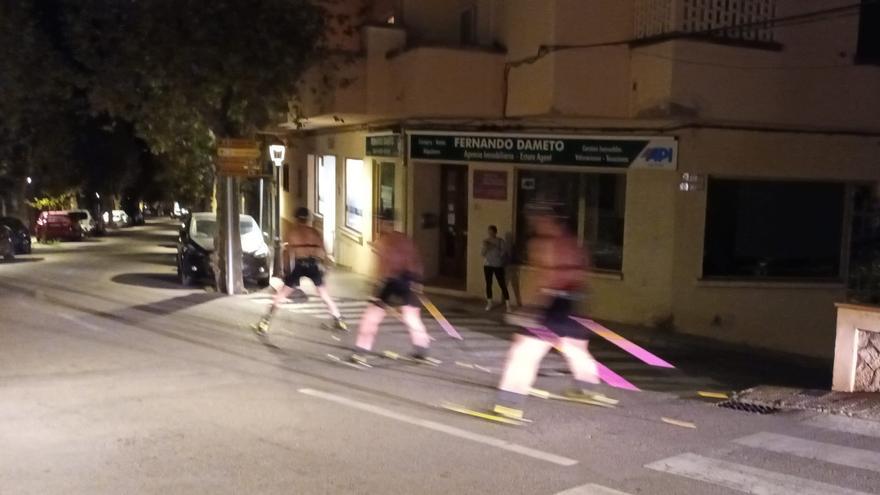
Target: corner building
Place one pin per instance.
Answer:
(720, 160)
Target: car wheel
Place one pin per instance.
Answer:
(184, 274)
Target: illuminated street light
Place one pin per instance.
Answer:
(98, 196)
(276, 154)
(29, 180)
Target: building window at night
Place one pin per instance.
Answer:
(591, 205)
(285, 177)
(773, 230)
(355, 194)
(868, 50)
(384, 191)
(654, 18)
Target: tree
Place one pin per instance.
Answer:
(38, 108)
(187, 72)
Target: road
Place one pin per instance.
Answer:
(114, 379)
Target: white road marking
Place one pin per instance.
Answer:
(744, 479)
(819, 451)
(592, 489)
(442, 428)
(847, 425)
(83, 323)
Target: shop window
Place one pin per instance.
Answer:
(590, 205)
(773, 230)
(325, 184)
(355, 194)
(384, 191)
(864, 260)
(603, 219)
(868, 50)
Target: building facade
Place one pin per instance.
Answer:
(719, 159)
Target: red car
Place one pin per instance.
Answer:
(58, 225)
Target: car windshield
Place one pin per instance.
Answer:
(247, 225)
(204, 227)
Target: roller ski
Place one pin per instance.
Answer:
(356, 361)
(578, 396)
(498, 414)
(414, 358)
(338, 324)
(261, 327)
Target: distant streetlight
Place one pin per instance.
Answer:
(29, 180)
(276, 154)
(98, 196)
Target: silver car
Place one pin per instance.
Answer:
(7, 247)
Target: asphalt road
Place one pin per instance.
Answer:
(114, 379)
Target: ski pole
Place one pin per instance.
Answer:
(444, 323)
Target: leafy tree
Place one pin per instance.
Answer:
(186, 72)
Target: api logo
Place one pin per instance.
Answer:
(658, 154)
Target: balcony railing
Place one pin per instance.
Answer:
(747, 20)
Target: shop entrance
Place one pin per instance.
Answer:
(452, 269)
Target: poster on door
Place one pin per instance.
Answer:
(490, 184)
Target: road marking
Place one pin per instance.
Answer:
(83, 323)
(637, 351)
(592, 489)
(819, 451)
(744, 479)
(845, 424)
(442, 428)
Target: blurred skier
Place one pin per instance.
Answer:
(400, 271)
(307, 248)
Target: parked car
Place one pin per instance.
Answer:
(196, 245)
(58, 225)
(21, 236)
(116, 219)
(7, 246)
(86, 221)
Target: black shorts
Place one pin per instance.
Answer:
(556, 317)
(397, 291)
(305, 267)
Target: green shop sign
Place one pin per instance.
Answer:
(383, 145)
(587, 151)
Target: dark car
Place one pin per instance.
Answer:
(59, 225)
(196, 244)
(7, 248)
(21, 236)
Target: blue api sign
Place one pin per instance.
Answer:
(658, 154)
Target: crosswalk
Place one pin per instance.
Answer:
(759, 480)
(623, 364)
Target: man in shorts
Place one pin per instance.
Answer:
(561, 269)
(306, 248)
(399, 270)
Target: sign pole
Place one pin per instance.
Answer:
(230, 229)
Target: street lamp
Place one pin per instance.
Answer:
(29, 180)
(276, 154)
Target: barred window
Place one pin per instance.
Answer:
(659, 17)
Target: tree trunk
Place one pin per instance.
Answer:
(228, 276)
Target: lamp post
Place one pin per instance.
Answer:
(276, 154)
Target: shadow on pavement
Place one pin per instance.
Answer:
(164, 259)
(19, 259)
(174, 304)
(151, 280)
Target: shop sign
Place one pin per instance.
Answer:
(490, 184)
(583, 151)
(383, 145)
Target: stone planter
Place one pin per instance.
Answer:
(857, 349)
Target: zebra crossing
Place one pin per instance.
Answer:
(854, 462)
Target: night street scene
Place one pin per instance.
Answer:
(549, 247)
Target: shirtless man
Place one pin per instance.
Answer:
(399, 269)
(308, 253)
(561, 267)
